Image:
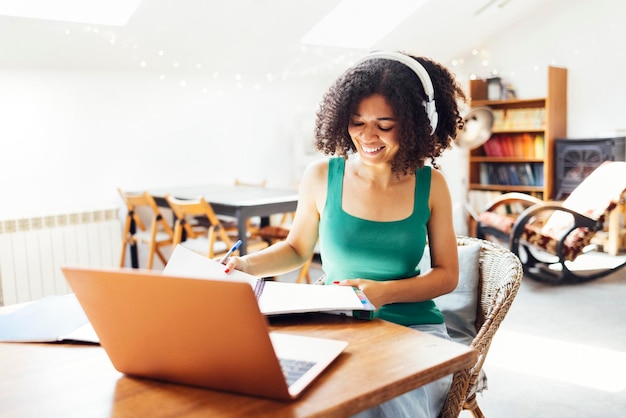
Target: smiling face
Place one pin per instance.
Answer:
(374, 130)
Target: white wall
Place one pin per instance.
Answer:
(585, 37)
(69, 138)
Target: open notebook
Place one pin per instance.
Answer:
(207, 333)
(57, 318)
(275, 297)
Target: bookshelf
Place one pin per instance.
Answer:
(519, 155)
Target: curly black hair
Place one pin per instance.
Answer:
(405, 94)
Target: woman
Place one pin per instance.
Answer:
(376, 204)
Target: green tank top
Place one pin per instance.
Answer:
(352, 247)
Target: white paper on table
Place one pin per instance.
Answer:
(275, 297)
(187, 263)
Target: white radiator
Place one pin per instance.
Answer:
(32, 251)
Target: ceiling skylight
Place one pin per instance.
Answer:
(98, 12)
(360, 23)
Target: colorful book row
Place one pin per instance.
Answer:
(517, 119)
(511, 174)
(515, 145)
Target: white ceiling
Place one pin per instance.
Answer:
(248, 36)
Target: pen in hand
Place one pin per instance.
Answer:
(231, 251)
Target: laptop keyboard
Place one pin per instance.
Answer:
(294, 369)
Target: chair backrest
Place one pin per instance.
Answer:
(261, 183)
(594, 197)
(500, 275)
(187, 212)
(140, 205)
(135, 202)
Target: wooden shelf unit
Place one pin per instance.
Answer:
(503, 162)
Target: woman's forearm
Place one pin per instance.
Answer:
(279, 258)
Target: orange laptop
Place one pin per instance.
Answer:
(207, 333)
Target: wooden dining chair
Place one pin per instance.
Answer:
(489, 281)
(158, 235)
(209, 237)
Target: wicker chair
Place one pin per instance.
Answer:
(500, 275)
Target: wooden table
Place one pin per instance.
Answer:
(382, 360)
(241, 202)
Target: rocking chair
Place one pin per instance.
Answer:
(549, 236)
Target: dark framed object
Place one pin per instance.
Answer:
(577, 158)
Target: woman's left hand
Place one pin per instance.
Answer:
(373, 289)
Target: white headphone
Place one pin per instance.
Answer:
(422, 74)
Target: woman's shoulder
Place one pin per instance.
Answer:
(318, 167)
(314, 182)
(436, 175)
(316, 171)
(438, 185)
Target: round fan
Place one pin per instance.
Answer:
(477, 127)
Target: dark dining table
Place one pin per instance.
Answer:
(240, 202)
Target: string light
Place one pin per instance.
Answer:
(323, 60)
(324, 63)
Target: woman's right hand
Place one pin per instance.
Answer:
(238, 263)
